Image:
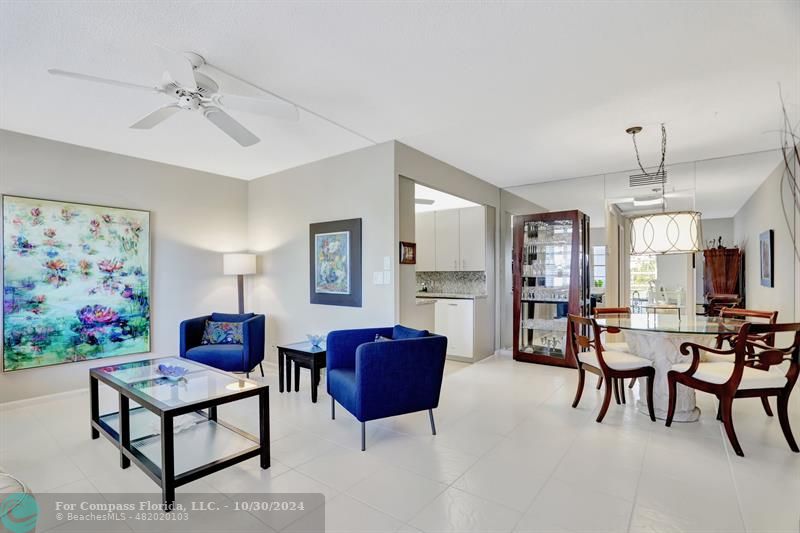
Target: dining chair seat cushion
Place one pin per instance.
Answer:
(617, 347)
(616, 360)
(752, 378)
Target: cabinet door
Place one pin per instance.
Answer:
(472, 238)
(447, 237)
(455, 320)
(425, 231)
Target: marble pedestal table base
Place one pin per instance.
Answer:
(664, 349)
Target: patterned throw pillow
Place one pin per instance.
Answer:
(223, 333)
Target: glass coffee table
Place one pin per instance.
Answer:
(177, 414)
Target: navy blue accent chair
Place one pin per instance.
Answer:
(229, 357)
(377, 379)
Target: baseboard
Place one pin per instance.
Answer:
(16, 404)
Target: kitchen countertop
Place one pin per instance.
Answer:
(450, 295)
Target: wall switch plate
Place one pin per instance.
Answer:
(387, 263)
(377, 278)
(387, 277)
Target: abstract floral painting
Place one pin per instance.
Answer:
(76, 282)
(333, 262)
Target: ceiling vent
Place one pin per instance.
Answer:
(648, 180)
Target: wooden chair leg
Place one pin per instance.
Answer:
(765, 403)
(673, 393)
(615, 382)
(606, 401)
(650, 409)
(719, 409)
(581, 379)
(621, 389)
(633, 382)
(783, 416)
(296, 377)
(599, 382)
(727, 420)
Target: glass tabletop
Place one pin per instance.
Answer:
(670, 323)
(304, 346)
(146, 380)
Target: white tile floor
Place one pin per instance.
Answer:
(511, 455)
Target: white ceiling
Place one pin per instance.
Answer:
(514, 92)
(441, 200)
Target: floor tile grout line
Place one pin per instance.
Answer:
(739, 506)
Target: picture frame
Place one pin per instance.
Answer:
(766, 243)
(408, 253)
(335, 270)
(76, 282)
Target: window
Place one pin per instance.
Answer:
(598, 269)
(644, 272)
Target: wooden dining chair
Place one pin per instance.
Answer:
(617, 346)
(740, 380)
(587, 345)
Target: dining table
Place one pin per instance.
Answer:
(658, 337)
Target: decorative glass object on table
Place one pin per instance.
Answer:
(551, 281)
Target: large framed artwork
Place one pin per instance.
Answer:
(767, 257)
(335, 262)
(76, 282)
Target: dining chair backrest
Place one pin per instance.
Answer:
(736, 313)
(765, 355)
(600, 311)
(584, 335)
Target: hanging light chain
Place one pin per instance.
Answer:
(660, 170)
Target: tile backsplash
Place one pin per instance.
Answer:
(453, 282)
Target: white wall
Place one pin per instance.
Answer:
(195, 217)
(760, 213)
(281, 206)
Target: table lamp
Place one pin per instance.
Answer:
(239, 265)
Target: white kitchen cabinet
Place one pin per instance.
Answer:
(455, 319)
(447, 240)
(425, 231)
(472, 238)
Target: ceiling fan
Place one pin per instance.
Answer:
(195, 91)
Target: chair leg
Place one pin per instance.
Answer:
(765, 403)
(333, 409)
(247, 375)
(261, 367)
(433, 424)
(599, 382)
(615, 381)
(633, 382)
(650, 409)
(783, 416)
(673, 393)
(622, 390)
(296, 378)
(606, 400)
(363, 436)
(726, 402)
(581, 379)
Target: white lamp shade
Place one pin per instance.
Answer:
(666, 233)
(238, 264)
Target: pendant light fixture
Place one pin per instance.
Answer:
(668, 232)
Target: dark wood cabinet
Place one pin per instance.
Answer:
(551, 280)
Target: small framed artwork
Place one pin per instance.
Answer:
(408, 253)
(335, 262)
(767, 258)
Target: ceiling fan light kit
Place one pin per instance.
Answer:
(195, 91)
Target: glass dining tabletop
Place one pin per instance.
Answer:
(146, 380)
(671, 323)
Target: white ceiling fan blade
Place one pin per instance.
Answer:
(156, 117)
(230, 126)
(273, 108)
(95, 79)
(178, 67)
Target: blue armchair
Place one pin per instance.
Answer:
(230, 357)
(387, 378)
